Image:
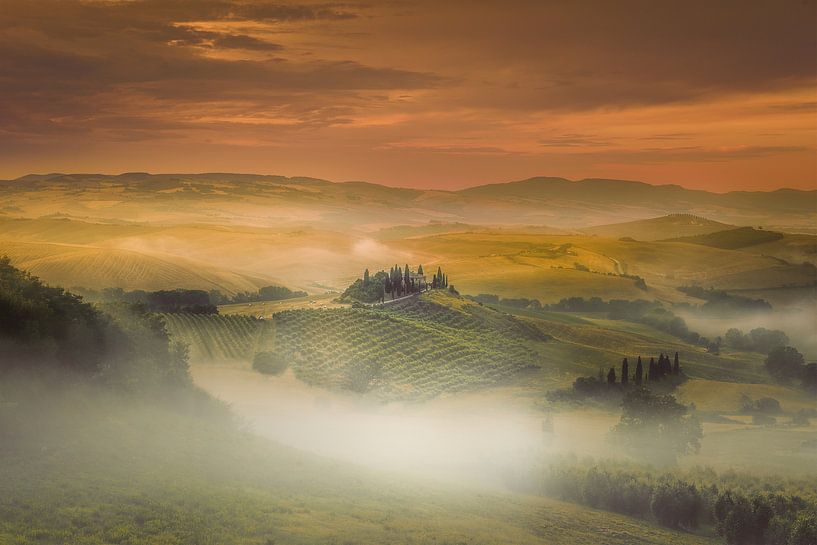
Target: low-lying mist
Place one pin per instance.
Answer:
(799, 323)
(473, 439)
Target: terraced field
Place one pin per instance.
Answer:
(413, 350)
(218, 338)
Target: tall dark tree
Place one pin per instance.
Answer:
(366, 278)
(651, 370)
(420, 270)
(407, 278)
(676, 365)
(639, 372)
(625, 371)
(611, 376)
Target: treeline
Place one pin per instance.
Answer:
(611, 384)
(720, 301)
(266, 293)
(760, 340)
(184, 300)
(46, 329)
(398, 282)
(741, 516)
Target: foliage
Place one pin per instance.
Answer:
(720, 301)
(785, 363)
(371, 289)
(178, 300)
(269, 363)
(745, 509)
(657, 425)
(265, 293)
(44, 328)
(760, 340)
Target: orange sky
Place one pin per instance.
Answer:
(711, 95)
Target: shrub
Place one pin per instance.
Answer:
(269, 363)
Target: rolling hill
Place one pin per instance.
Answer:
(73, 265)
(665, 227)
(277, 200)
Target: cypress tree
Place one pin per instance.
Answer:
(651, 371)
(639, 372)
(366, 277)
(611, 376)
(420, 269)
(676, 366)
(625, 372)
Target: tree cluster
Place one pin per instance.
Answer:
(184, 300)
(658, 425)
(760, 340)
(739, 516)
(45, 329)
(719, 301)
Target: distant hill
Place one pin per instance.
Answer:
(732, 239)
(665, 227)
(250, 199)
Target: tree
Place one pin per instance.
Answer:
(407, 278)
(809, 378)
(366, 277)
(625, 371)
(651, 375)
(611, 376)
(420, 270)
(639, 372)
(785, 363)
(676, 366)
(657, 424)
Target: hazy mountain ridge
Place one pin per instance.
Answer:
(254, 199)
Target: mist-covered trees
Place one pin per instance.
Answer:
(45, 329)
(760, 340)
(656, 426)
(785, 363)
(743, 509)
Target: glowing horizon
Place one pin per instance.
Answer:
(415, 94)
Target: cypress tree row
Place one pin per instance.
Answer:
(639, 372)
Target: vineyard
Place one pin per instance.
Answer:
(413, 350)
(218, 338)
(416, 349)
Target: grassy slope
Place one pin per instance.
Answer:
(144, 475)
(543, 266)
(430, 346)
(671, 226)
(95, 267)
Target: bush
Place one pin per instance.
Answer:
(785, 363)
(269, 363)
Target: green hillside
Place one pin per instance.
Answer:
(415, 349)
